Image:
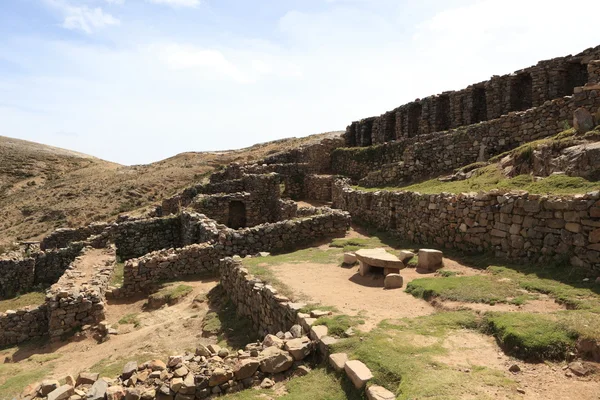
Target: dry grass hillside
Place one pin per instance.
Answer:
(43, 188)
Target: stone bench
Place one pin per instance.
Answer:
(379, 257)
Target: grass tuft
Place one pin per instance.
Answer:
(338, 324)
(21, 301)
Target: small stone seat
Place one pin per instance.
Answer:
(378, 258)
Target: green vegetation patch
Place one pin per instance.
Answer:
(14, 377)
(338, 324)
(531, 335)
(169, 294)
(470, 289)
(130, 319)
(402, 357)
(319, 384)
(24, 300)
(117, 277)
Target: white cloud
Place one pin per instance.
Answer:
(88, 19)
(115, 1)
(84, 18)
(177, 3)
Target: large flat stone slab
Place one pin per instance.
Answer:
(378, 258)
(358, 373)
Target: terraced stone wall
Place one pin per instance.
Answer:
(63, 237)
(431, 155)
(22, 325)
(483, 101)
(524, 227)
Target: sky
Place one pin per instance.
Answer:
(137, 81)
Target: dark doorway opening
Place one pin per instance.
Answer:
(237, 215)
(577, 75)
(479, 111)
(414, 115)
(521, 92)
(442, 113)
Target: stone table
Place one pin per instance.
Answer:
(378, 258)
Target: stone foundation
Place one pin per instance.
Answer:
(525, 227)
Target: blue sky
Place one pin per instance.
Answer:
(136, 81)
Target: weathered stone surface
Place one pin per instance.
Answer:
(274, 360)
(61, 393)
(298, 348)
(272, 340)
(219, 376)
(157, 365)
(349, 258)
(358, 373)
(375, 392)
(405, 256)
(377, 258)
(430, 259)
(98, 390)
(318, 331)
(129, 369)
(393, 281)
(296, 331)
(115, 393)
(246, 368)
(201, 350)
(338, 361)
(325, 344)
(87, 378)
(583, 120)
(48, 386)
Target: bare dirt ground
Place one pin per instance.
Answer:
(85, 265)
(166, 331)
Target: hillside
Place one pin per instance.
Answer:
(43, 188)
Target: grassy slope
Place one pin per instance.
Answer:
(43, 188)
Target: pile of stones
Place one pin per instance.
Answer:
(210, 371)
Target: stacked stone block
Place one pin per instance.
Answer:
(22, 325)
(525, 227)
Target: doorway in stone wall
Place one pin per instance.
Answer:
(237, 215)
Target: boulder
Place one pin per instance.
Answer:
(61, 393)
(405, 256)
(133, 394)
(298, 348)
(115, 393)
(202, 351)
(393, 281)
(583, 120)
(349, 258)
(157, 365)
(87, 378)
(430, 259)
(358, 373)
(246, 368)
(326, 343)
(274, 360)
(219, 376)
(48, 386)
(98, 390)
(338, 361)
(296, 331)
(129, 369)
(272, 340)
(375, 392)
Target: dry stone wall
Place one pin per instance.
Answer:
(63, 237)
(136, 238)
(430, 155)
(484, 101)
(51, 265)
(142, 274)
(521, 226)
(22, 325)
(269, 311)
(318, 187)
(16, 276)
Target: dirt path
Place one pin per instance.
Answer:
(344, 288)
(166, 331)
(85, 265)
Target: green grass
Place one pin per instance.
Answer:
(316, 306)
(130, 319)
(24, 300)
(171, 293)
(117, 277)
(113, 367)
(357, 243)
(14, 377)
(531, 336)
(319, 384)
(470, 289)
(338, 324)
(402, 357)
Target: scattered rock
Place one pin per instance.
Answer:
(61, 393)
(272, 340)
(349, 258)
(202, 351)
(298, 348)
(405, 256)
(375, 392)
(129, 369)
(318, 331)
(338, 361)
(275, 360)
(521, 390)
(583, 120)
(246, 368)
(578, 368)
(87, 378)
(514, 368)
(98, 390)
(393, 281)
(430, 259)
(358, 373)
(319, 313)
(48, 386)
(296, 331)
(267, 384)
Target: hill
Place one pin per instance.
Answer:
(43, 188)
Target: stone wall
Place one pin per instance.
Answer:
(269, 311)
(594, 72)
(435, 154)
(144, 273)
(75, 300)
(51, 265)
(524, 89)
(62, 237)
(526, 227)
(22, 325)
(318, 187)
(16, 276)
(136, 238)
